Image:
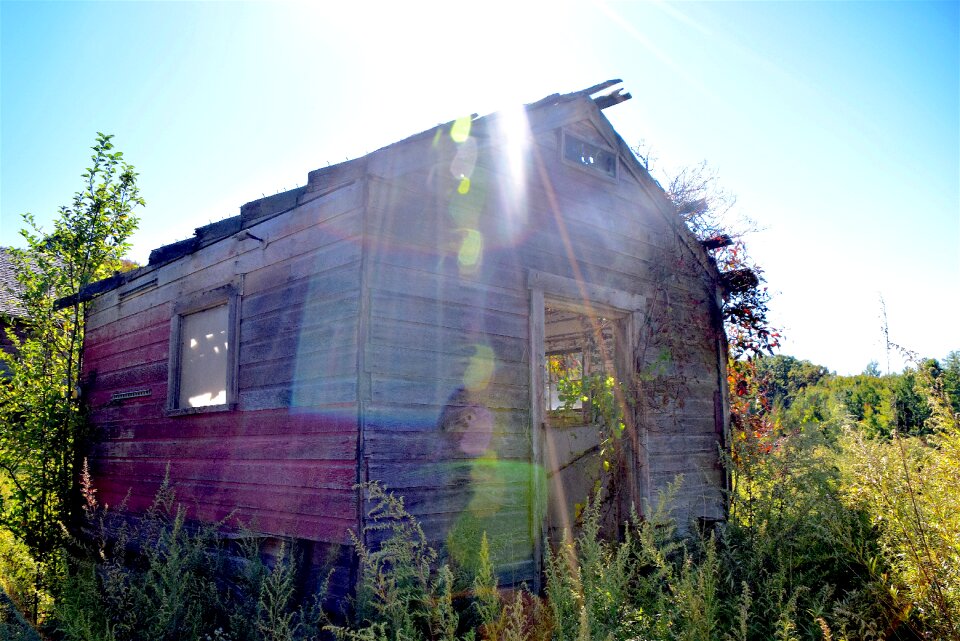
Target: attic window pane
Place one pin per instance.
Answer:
(587, 155)
(203, 358)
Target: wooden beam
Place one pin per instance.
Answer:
(612, 98)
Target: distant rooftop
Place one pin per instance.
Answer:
(9, 302)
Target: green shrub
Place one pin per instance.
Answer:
(402, 593)
(911, 490)
(159, 577)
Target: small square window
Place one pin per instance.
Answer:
(589, 156)
(203, 353)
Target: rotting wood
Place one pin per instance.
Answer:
(537, 403)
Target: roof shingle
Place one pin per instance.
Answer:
(9, 287)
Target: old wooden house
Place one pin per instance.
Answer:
(419, 317)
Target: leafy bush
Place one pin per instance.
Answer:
(159, 577)
(911, 490)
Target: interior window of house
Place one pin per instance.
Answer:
(564, 378)
(204, 357)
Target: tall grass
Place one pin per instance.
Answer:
(844, 539)
(160, 577)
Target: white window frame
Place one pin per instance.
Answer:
(229, 295)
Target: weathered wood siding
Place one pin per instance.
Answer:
(283, 462)
(453, 229)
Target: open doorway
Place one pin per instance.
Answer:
(582, 362)
(580, 413)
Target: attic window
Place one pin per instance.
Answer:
(592, 157)
(203, 353)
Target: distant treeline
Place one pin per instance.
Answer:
(800, 392)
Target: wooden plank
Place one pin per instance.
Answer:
(296, 318)
(293, 344)
(435, 391)
(394, 274)
(299, 474)
(438, 239)
(537, 403)
(406, 477)
(494, 269)
(220, 262)
(319, 447)
(95, 349)
(584, 202)
(329, 284)
(421, 150)
(329, 218)
(149, 353)
(415, 418)
(700, 438)
(446, 341)
(504, 498)
(592, 264)
(441, 313)
(326, 526)
(401, 361)
(238, 425)
(688, 464)
(304, 257)
(119, 328)
(432, 446)
(333, 360)
(295, 395)
(558, 286)
(136, 375)
(133, 410)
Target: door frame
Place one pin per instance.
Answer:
(592, 300)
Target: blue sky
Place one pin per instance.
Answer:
(837, 125)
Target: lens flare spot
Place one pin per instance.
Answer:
(465, 161)
(460, 130)
(480, 368)
(470, 249)
(464, 187)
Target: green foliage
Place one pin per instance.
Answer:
(911, 490)
(41, 421)
(18, 571)
(822, 539)
(402, 593)
(485, 587)
(395, 577)
(13, 627)
(784, 377)
(805, 396)
(705, 208)
(159, 577)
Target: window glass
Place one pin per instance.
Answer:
(590, 156)
(204, 357)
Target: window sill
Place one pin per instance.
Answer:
(206, 409)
